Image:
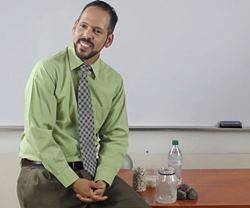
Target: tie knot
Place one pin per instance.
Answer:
(86, 67)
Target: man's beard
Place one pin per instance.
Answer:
(88, 56)
(91, 54)
(85, 57)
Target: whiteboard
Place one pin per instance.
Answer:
(184, 62)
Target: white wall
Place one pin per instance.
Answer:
(201, 149)
(183, 62)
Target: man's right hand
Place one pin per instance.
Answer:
(85, 190)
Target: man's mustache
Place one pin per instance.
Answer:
(86, 41)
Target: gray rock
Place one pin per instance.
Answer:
(192, 194)
(186, 192)
(184, 187)
(181, 195)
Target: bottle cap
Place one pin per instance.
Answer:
(175, 142)
(166, 171)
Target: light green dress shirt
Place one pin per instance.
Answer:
(51, 116)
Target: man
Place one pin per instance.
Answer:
(74, 103)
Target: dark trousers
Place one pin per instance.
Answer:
(38, 188)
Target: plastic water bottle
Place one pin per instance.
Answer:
(175, 160)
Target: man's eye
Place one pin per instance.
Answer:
(82, 25)
(97, 31)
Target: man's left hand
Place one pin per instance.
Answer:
(98, 193)
(101, 190)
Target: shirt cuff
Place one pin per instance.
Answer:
(106, 175)
(67, 177)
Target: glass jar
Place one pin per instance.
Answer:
(166, 186)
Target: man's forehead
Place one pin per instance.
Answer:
(96, 17)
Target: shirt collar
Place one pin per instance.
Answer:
(75, 62)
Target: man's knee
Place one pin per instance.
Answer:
(36, 187)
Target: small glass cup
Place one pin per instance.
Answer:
(166, 186)
(151, 175)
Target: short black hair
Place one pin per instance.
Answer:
(106, 7)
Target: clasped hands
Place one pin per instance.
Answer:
(89, 191)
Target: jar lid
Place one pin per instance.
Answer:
(166, 171)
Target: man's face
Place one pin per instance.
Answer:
(90, 33)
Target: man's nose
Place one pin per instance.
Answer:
(88, 33)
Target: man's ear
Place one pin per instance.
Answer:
(74, 26)
(109, 40)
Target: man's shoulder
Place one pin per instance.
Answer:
(54, 60)
(50, 65)
(107, 71)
